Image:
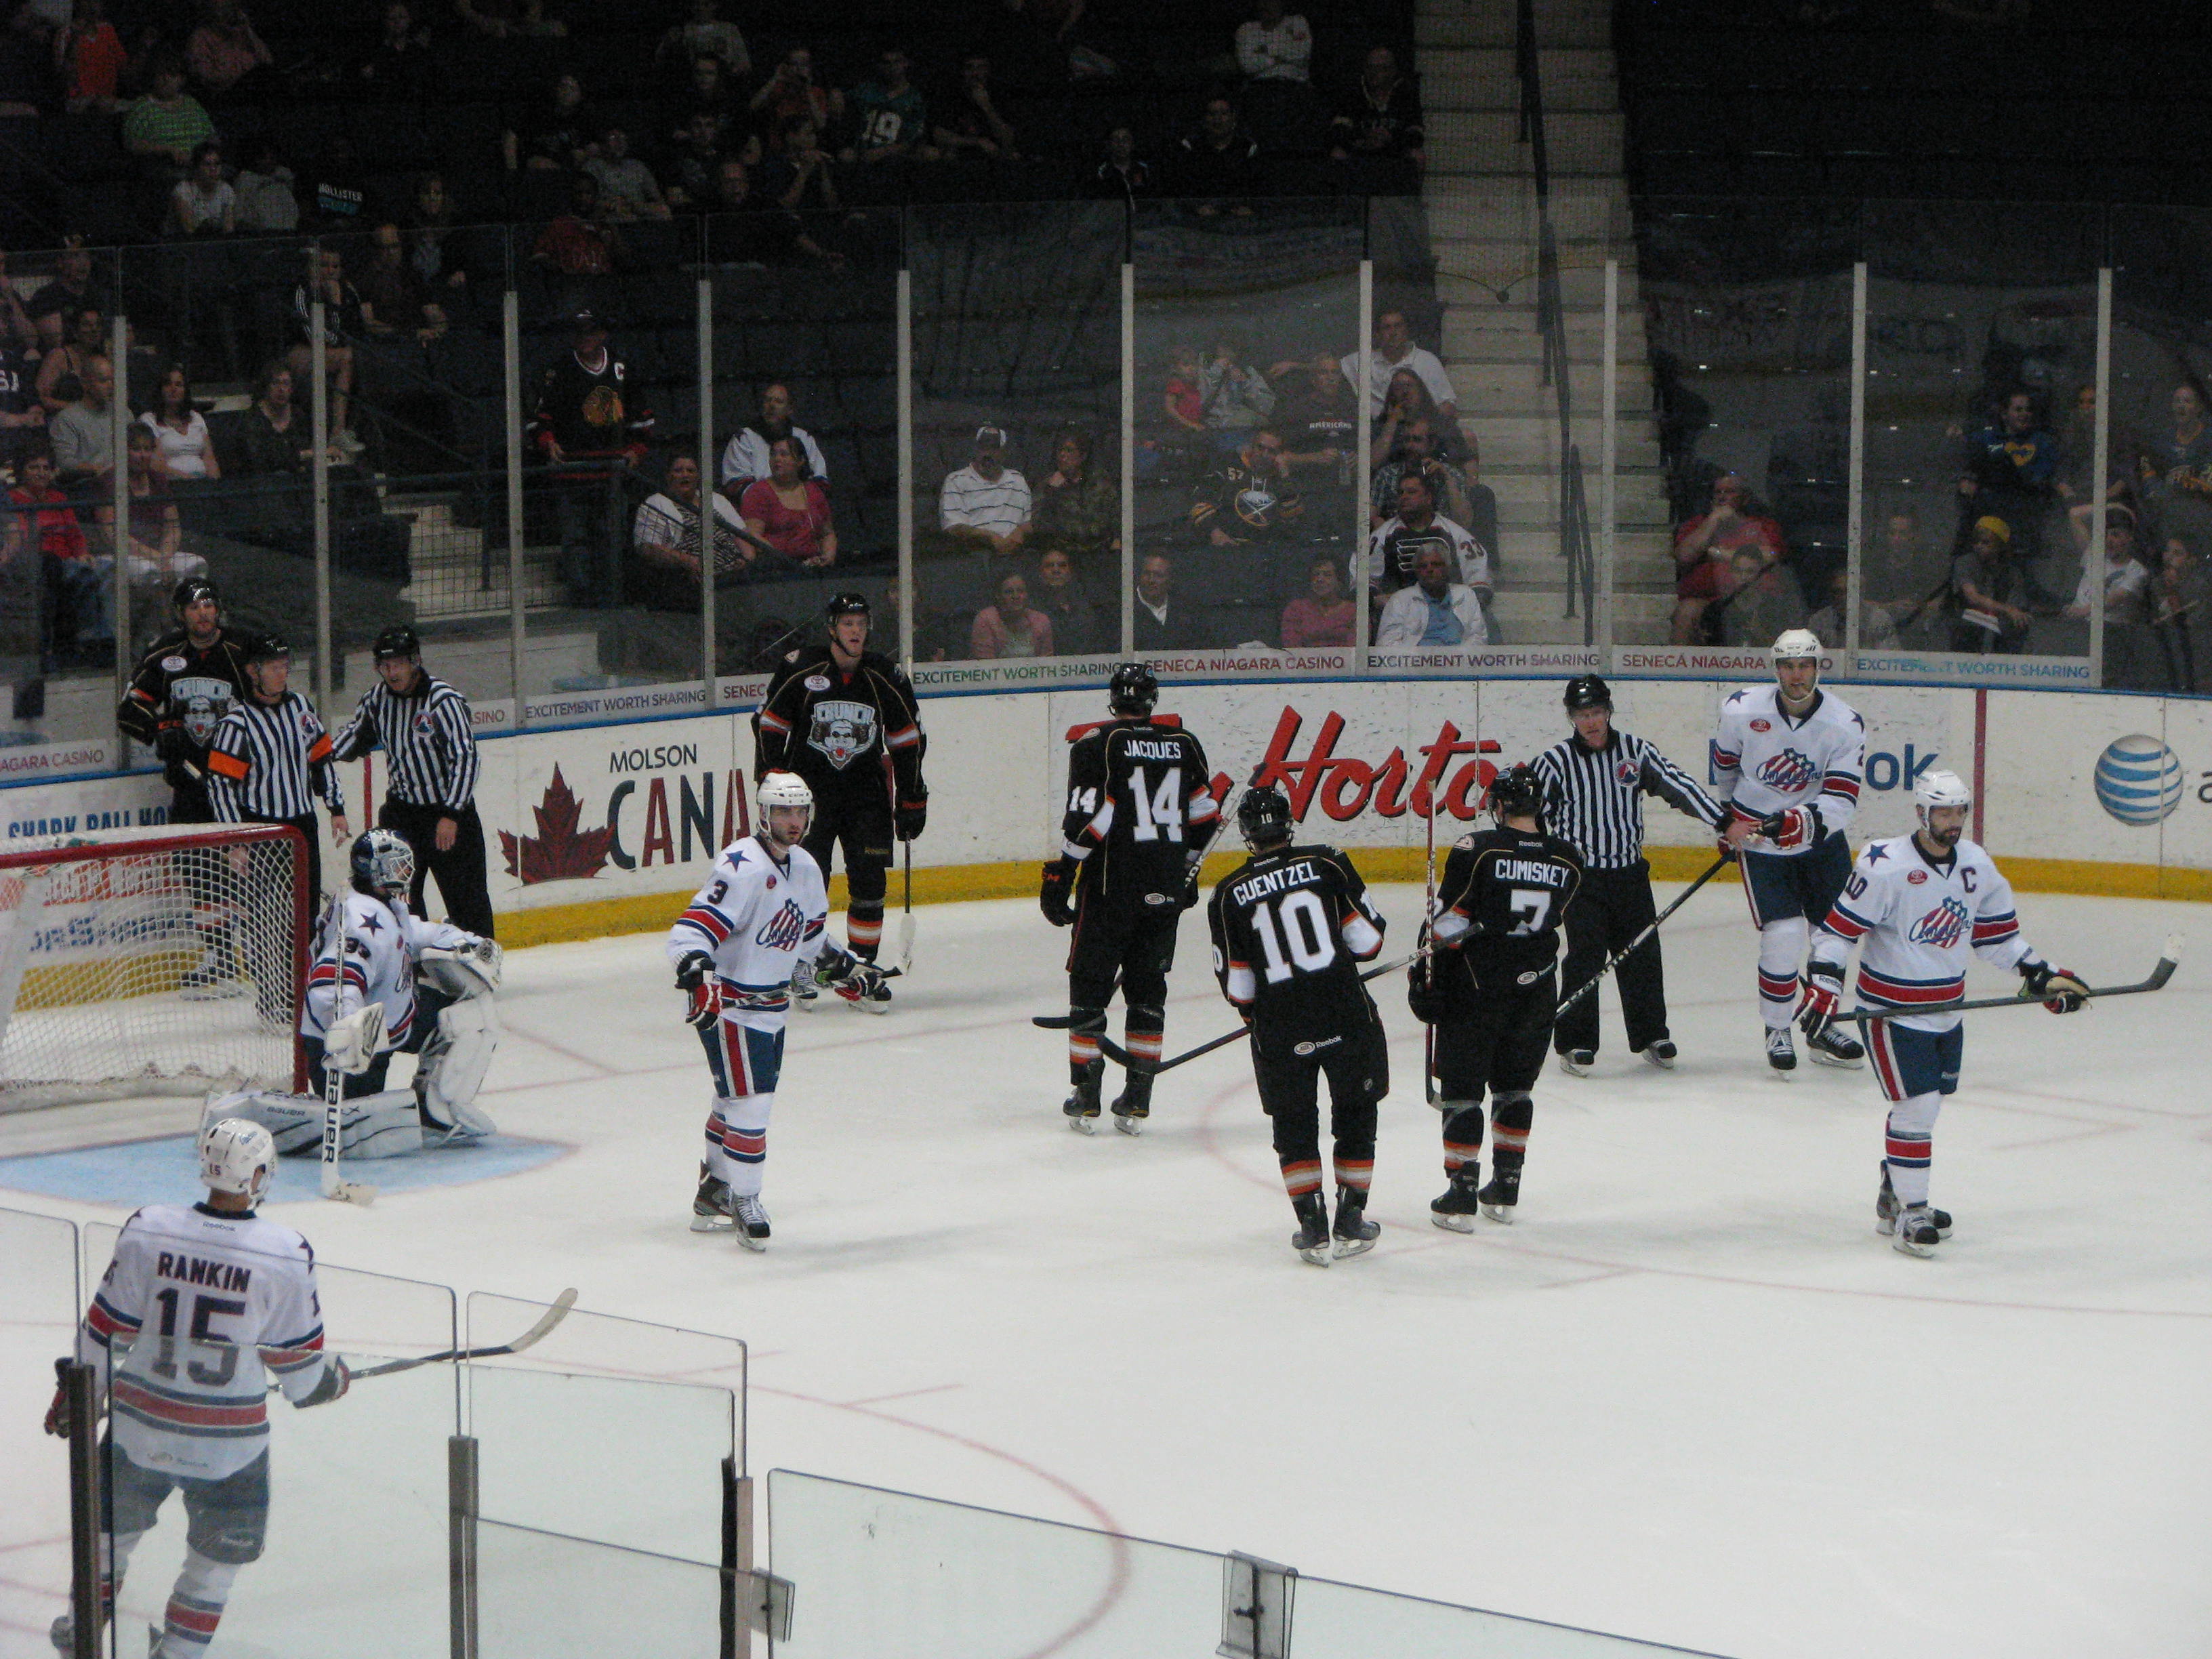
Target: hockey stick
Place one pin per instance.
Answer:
(1650, 927)
(334, 1185)
(906, 908)
(2159, 976)
(537, 1333)
(1428, 919)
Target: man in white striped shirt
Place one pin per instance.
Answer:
(986, 504)
(1594, 788)
(270, 756)
(429, 742)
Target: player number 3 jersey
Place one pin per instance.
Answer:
(1918, 920)
(756, 917)
(1767, 760)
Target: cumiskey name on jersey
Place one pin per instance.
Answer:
(1540, 872)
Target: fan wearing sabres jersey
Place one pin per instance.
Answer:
(754, 929)
(1789, 759)
(1918, 907)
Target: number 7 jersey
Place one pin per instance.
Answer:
(1140, 807)
(1504, 892)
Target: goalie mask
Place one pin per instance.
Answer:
(237, 1157)
(383, 864)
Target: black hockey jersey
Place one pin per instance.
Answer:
(839, 730)
(1140, 810)
(1290, 927)
(1500, 903)
(179, 688)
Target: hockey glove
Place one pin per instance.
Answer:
(2059, 990)
(1191, 863)
(1056, 896)
(57, 1414)
(909, 815)
(171, 743)
(851, 978)
(1423, 994)
(696, 978)
(1799, 826)
(331, 1385)
(1823, 994)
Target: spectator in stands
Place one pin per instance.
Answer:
(17, 331)
(2178, 613)
(43, 532)
(61, 371)
(1182, 398)
(557, 135)
(790, 511)
(345, 321)
(266, 203)
(1124, 176)
(1406, 404)
(986, 504)
(89, 57)
(744, 461)
(694, 163)
(664, 541)
(968, 126)
(1392, 350)
(275, 436)
(1161, 623)
(1249, 498)
(1381, 118)
(337, 192)
(22, 417)
(83, 435)
(1433, 610)
(180, 431)
(1273, 45)
(705, 34)
(793, 90)
(202, 204)
(1078, 507)
(157, 534)
(1459, 497)
(2010, 471)
(890, 120)
(739, 233)
(1217, 160)
(1323, 614)
(1899, 567)
(402, 66)
(1234, 396)
(628, 189)
(796, 174)
(54, 305)
(1877, 622)
(1988, 612)
(227, 58)
(393, 299)
(1761, 603)
(1703, 545)
(578, 243)
(707, 91)
(164, 127)
(1078, 630)
(590, 426)
(1392, 548)
(1318, 417)
(2175, 468)
(2126, 577)
(431, 249)
(1010, 627)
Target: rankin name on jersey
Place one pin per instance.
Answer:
(190, 1270)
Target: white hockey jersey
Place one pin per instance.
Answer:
(371, 960)
(195, 1305)
(757, 918)
(1764, 760)
(1917, 921)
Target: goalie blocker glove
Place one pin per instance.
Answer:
(2059, 989)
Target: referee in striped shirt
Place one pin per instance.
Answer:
(429, 743)
(1594, 786)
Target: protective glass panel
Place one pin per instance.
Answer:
(1749, 348)
(1017, 464)
(805, 421)
(886, 1573)
(2158, 638)
(1981, 343)
(1247, 459)
(39, 1307)
(540, 1594)
(1343, 1621)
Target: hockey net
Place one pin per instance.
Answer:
(151, 961)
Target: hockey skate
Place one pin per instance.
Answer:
(1355, 1234)
(1781, 1051)
(751, 1217)
(1498, 1197)
(1660, 1054)
(1577, 1062)
(1132, 1106)
(1457, 1208)
(1832, 1048)
(713, 1210)
(1311, 1240)
(1887, 1210)
(1917, 1231)
(1082, 1105)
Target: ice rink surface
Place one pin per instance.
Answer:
(1691, 1396)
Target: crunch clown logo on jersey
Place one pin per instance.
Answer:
(1942, 928)
(842, 729)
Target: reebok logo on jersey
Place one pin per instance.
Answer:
(1788, 773)
(1315, 1047)
(783, 930)
(1942, 928)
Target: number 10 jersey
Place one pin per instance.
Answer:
(1290, 927)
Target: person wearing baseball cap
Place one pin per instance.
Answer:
(986, 504)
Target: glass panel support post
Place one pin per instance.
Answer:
(1855, 503)
(80, 1386)
(736, 1556)
(1358, 575)
(710, 666)
(1256, 1604)
(319, 382)
(461, 1504)
(905, 325)
(2101, 478)
(119, 415)
(1608, 450)
(1128, 459)
(510, 329)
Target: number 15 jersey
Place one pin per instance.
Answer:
(1290, 927)
(1140, 806)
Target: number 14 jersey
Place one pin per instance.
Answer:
(1140, 807)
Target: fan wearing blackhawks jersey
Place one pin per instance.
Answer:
(1140, 811)
(200, 1310)
(1788, 759)
(1919, 907)
(748, 938)
(1291, 926)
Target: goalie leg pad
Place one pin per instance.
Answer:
(294, 1122)
(386, 1125)
(452, 1067)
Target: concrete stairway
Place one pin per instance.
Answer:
(1481, 202)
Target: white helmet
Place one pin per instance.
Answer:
(782, 789)
(383, 863)
(237, 1156)
(1794, 645)
(1941, 789)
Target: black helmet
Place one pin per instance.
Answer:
(398, 640)
(1133, 691)
(1516, 792)
(1263, 816)
(268, 647)
(1588, 691)
(848, 604)
(191, 590)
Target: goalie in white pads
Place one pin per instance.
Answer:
(202, 1307)
(1918, 907)
(435, 982)
(753, 930)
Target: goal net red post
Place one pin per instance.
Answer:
(164, 961)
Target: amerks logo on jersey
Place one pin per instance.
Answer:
(1942, 927)
(1788, 772)
(783, 930)
(842, 730)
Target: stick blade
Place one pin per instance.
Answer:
(553, 1315)
(1052, 1022)
(353, 1191)
(906, 941)
(2169, 960)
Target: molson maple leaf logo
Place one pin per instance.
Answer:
(560, 852)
